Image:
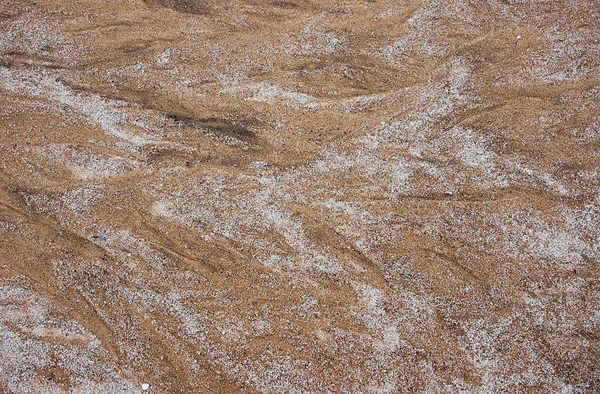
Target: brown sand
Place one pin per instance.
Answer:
(299, 196)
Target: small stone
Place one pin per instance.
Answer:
(145, 386)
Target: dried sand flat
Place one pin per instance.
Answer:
(299, 196)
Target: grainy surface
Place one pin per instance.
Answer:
(299, 196)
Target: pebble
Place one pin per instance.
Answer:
(145, 386)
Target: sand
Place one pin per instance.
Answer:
(299, 196)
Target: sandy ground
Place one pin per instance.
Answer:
(299, 196)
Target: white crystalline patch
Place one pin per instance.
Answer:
(273, 261)
(327, 266)
(416, 141)
(420, 39)
(86, 165)
(554, 184)
(340, 206)
(559, 246)
(334, 162)
(163, 208)
(400, 179)
(481, 346)
(106, 114)
(371, 298)
(33, 337)
(459, 79)
(541, 177)
(100, 169)
(272, 371)
(274, 94)
(118, 240)
(388, 13)
(473, 151)
(219, 212)
(550, 63)
(528, 235)
(280, 220)
(314, 39)
(592, 131)
(381, 325)
(81, 200)
(232, 81)
(391, 338)
(26, 35)
(163, 57)
(57, 334)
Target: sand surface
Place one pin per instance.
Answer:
(299, 196)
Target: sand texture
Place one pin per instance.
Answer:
(299, 196)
